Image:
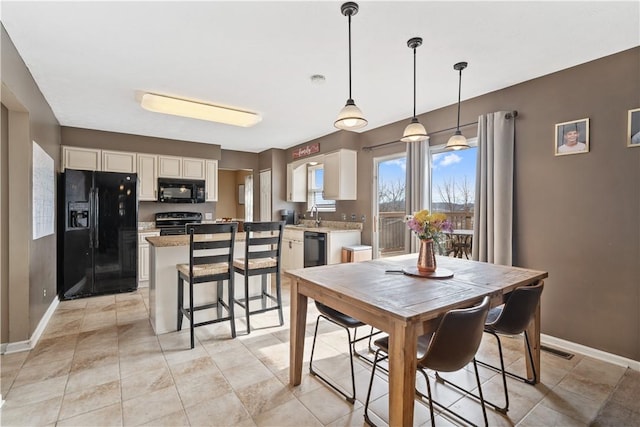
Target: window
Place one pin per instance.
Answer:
(315, 187)
(453, 183)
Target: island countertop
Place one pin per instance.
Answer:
(183, 240)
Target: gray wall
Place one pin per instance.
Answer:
(577, 217)
(32, 263)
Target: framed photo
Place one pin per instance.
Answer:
(572, 137)
(241, 194)
(633, 131)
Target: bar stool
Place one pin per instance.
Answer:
(210, 260)
(262, 256)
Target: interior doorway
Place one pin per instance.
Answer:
(390, 236)
(235, 197)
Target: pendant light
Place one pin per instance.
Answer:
(458, 141)
(414, 132)
(350, 117)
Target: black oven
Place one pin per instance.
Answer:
(180, 190)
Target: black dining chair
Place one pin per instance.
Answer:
(450, 348)
(347, 322)
(511, 318)
(210, 260)
(262, 256)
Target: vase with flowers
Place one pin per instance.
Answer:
(429, 228)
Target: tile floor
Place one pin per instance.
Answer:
(99, 363)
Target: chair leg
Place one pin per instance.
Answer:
(191, 313)
(220, 297)
(180, 302)
(279, 297)
(246, 301)
(373, 372)
(484, 409)
(232, 317)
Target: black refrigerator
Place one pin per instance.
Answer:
(98, 233)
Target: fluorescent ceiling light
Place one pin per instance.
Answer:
(198, 110)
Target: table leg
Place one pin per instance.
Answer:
(533, 331)
(298, 322)
(402, 374)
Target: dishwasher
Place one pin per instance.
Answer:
(315, 248)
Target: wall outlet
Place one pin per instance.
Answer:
(364, 218)
(44, 293)
(208, 216)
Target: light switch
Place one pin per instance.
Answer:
(208, 216)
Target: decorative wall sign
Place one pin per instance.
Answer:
(572, 137)
(306, 151)
(633, 128)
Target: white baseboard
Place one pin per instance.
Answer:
(15, 347)
(588, 351)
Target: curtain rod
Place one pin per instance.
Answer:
(508, 116)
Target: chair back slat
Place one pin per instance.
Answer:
(273, 240)
(212, 244)
(263, 226)
(211, 259)
(263, 254)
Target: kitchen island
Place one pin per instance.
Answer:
(167, 251)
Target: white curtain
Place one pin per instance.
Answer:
(493, 211)
(418, 186)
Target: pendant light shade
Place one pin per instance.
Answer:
(350, 117)
(458, 141)
(414, 132)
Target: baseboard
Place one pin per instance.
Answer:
(15, 347)
(591, 352)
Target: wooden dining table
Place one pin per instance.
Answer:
(404, 306)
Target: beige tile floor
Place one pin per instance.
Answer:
(99, 363)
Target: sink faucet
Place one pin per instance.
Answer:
(317, 216)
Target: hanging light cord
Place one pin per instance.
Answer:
(414, 82)
(459, 90)
(349, 17)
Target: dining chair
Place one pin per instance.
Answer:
(511, 318)
(210, 260)
(347, 322)
(450, 348)
(262, 256)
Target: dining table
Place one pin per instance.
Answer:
(387, 294)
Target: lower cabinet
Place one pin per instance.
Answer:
(143, 257)
(292, 249)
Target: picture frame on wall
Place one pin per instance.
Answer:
(572, 137)
(633, 128)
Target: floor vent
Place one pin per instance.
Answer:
(557, 352)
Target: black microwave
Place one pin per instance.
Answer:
(172, 190)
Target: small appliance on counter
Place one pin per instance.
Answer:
(289, 217)
(172, 223)
(98, 233)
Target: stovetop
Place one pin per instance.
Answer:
(172, 223)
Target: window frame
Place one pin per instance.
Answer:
(313, 190)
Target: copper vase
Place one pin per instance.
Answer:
(427, 257)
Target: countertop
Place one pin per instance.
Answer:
(321, 229)
(183, 240)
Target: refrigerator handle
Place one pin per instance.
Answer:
(90, 219)
(96, 223)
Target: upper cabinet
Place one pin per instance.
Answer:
(296, 182)
(211, 181)
(340, 175)
(118, 161)
(81, 158)
(147, 177)
(193, 168)
(181, 167)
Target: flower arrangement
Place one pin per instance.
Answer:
(429, 225)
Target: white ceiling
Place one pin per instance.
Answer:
(92, 60)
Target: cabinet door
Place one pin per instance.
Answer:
(211, 181)
(297, 254)
(143, 263)
(193, 168)
(287, 254)
(340, 172)
(169, 167)
(81, 158)
(296, 183)
(118, 161)
(147, 177)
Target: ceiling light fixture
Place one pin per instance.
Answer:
(198, 110)
(414, 132)
(458, 141)
(350, 117)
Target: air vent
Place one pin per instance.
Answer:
(557, 352)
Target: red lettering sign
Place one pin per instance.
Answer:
(306, 151)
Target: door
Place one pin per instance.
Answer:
(390, 232)
(116, 232)
(265, 196)
(75, 277)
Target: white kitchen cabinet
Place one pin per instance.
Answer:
(118, 161)
(143, 257)
(169, 167)
(211, 181)
(81, 158)
(147, 177)
(296, 183)
(292, 249)
(340, 172)
(193, 168)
